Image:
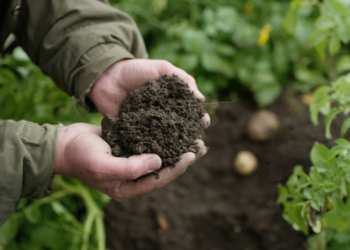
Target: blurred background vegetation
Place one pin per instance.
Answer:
(233, 48)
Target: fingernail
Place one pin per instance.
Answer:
(153, 164)
(199, 95)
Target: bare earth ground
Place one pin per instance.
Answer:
(212, 208)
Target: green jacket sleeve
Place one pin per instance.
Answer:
(27, 153)
(74, 41)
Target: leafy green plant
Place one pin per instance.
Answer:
(71, 218)
(229, 44)
(320, 199)
(26, 93)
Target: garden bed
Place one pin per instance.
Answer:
(210, 206)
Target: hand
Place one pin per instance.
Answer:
(82, 153)
(112, 86)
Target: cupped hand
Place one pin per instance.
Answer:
(111, 88)
(82, 153)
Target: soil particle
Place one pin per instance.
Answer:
(211, 207)
(163, 117)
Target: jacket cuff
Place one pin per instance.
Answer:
(92, 64)
(27, 153)
(41, 143)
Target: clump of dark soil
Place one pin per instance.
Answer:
(210, 207)
(163, 117)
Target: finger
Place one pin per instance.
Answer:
(202, 149)
(170, 69)
(198, 95)
(167, 68)
(206, 120)
(137, 72)
(151, 183)
(122, 169)
(84, 128)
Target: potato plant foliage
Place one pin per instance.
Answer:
(71, 218)
(231, 45)
(320, 200)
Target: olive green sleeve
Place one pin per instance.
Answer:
(74, 41)
(27, 153)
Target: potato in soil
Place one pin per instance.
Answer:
(163, 117)
(245, 163)
(263, 125)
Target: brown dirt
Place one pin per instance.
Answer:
(212, 208)
(163, 117)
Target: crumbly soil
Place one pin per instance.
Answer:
(210, 207)
(163, 117)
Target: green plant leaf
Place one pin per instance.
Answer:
(210, 61)
(324, 22)
(226, 50)
(329, 203)
(59, 209)
(342, 142)
(318, 36)
(315, 175)
(32, 214)
(320, 198)
(336, 8)
(321, 49)
(29, 245)
(283, 194)
(268, 94)
(20, 54)
(50, 237)
(188, 62)
(342, 188)
(343, 32)
(328, 121)
(343, 63)
(315, 109)
(290, 21)
(344, 127)
(334, 45)
(320, 98)
(330, 187)
(326, 107)
(307, 193)
(335, 151)
(195, 41)
(319, 155)
(295, 216)
(338, 217)
(317, 227)
(321, 93)
(8, 231)
(317, 241)
(314, 205)
(13, 246)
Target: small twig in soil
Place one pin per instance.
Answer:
(162, 88)
(217, 103)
